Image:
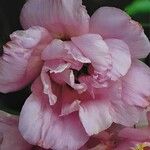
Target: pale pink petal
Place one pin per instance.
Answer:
(60, 68)
(15, 68)
(70, 107)
(59, 78)
(136, 87)
(39, 125)
(77, 86)
(95, 116)
(37, 89)
(62, 18)
(19, 65)
(94, 48)
(143, 122)
(133, 134)
(31, 37)
(111, 22)
(70, 101)
(10, 137)
(121, 112)
(66, 51)
(124, 114)
(69, 78)
(47, 86)
(75, 53)
(121, 59)
(54, 50)
(92, 84)
(56, 66)
(74, 56)
(60, 73)
(89, 82)
(69, 98)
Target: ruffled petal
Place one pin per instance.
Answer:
(70, 80)
(20, 65)
(68, 97)
(92, 84)
(14, 68)
(95, 116)
(124, 114)
(121, 112)
(111, 22)
(121, 59)
(66, 51)
(70, 101)
(9, 134)
(135, 134)
(68, 77)
(94, 48)
(40, 125)
(54, 50)
(68, 108)
(56, 65)
(47, 86)
(59, 72)
(136, 87)
(32, 37)
(75, 53)
(144, 121)
(62, 18)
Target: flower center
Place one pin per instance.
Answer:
(141, 146)
(81, 72)
(63, 37)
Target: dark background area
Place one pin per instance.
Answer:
(9, 18)
(93, 5)
(9, 22)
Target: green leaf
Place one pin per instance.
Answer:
(138, 6)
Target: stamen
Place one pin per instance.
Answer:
(141, 146)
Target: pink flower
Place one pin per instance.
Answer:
(9, 133)
(134, 138)
(90, 76)
(121, 138)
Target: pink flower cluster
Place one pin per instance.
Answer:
(84, 71)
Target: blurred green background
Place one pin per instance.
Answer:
(139, 10)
